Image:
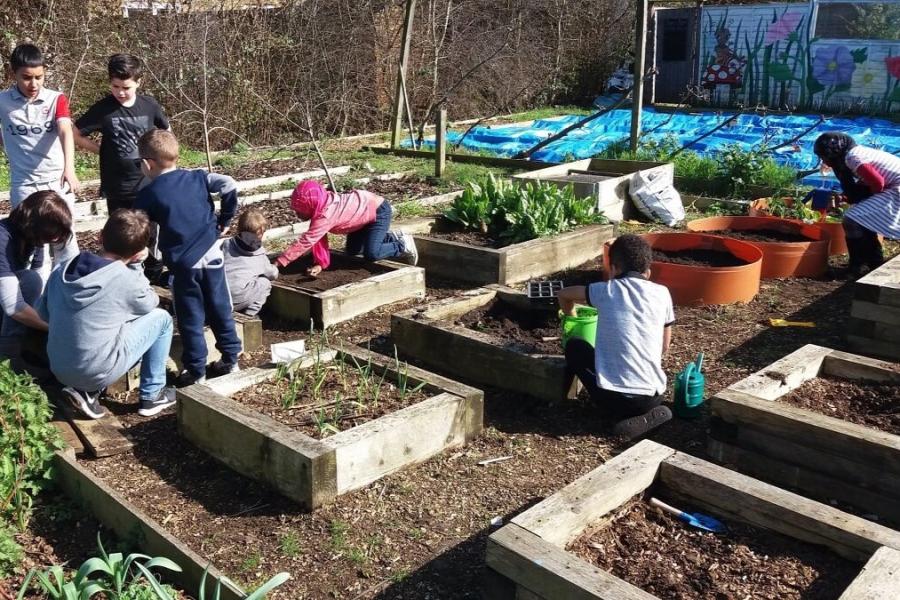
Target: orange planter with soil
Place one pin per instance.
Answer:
(835, 230)
(790, 248)
(731, 273)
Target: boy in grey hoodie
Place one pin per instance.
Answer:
(247, 268)
(103, 318)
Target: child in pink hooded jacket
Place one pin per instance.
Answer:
(360, 215)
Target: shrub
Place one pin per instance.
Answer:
(515, 213)
(27, 444)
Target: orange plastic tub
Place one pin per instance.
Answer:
(694, 285)
(780, 259)
(835, 230)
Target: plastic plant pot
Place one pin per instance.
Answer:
(780, 259)
(693, 285)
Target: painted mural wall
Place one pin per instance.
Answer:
(770, 55)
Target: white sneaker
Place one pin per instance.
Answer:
(408, 245)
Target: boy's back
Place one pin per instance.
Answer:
(180, 203)
(88, 303)
(632, 313)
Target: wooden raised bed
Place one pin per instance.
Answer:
(342, 303)
(313, 472)
(823, 457)
(527, 559)
(430, 334)
(511, 264)
(874, 325)
(128, 522)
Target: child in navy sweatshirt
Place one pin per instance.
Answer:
(179, 201)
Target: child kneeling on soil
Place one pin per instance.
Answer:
(179, 201)
(103, 318)
(624, 374)
(362, 216)
(247, 268)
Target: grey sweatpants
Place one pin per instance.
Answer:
(251, 298)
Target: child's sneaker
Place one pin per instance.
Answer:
(219, 368)
(87, 403)
(164, 399)
(637, 426)
(408, 247)
(185, 378)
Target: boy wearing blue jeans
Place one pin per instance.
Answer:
(179, 201)
(623, 371)
(103, 319)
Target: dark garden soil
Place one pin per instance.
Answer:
(473, 238)
(665, 557)
(83, 195)
(405, 188)
(763, 235)
(269, 168)
(278, 212)
(698, 258)
(868, 403)
(342, 270)
(534, 332)
(89, 241)
(345, 398)
(59, 532)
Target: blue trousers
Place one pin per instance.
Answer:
(201, 297)
(373, 240)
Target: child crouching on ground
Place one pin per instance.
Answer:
(360, 215)
(247, 268)
(178, 200)
(623, 372)
(103, 319)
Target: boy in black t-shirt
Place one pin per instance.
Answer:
(121, 118)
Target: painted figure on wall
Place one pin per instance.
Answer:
(728, 68)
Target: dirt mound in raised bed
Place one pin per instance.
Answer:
(762, 235)
(531, 331)
(473, 238)
(869, 403)
(698, 258)
(342, 270)
(665, 557)
(405, 188)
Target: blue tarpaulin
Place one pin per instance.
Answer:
(747, 131)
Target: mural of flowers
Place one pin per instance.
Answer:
(893, 66)
(833, 65)
(892, 94)
(782, 29)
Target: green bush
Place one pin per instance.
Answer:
(11, 554)
(27, 442)
(514, 213)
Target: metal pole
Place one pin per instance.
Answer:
(397, 119)
(640, 56)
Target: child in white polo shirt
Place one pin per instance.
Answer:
(623, 372)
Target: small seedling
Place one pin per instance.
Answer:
(290, 544)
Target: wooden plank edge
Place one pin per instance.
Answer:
(126, 520)
(879, 578)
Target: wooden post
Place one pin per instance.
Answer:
(440, 144)
(397, 119)
(640, 56)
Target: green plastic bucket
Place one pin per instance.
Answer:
(582, 326)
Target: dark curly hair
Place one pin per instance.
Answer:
(630, 253)
(832, 147)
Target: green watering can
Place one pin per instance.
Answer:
(689, 386)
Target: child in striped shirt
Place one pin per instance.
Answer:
(870, 179)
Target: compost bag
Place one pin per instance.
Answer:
(653, 193)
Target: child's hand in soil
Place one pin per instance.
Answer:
(314, 270)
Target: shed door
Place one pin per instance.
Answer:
(675, 53)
